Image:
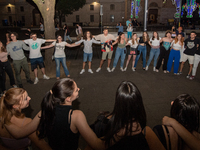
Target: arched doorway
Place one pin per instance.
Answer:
(36, 17)
(153, 13)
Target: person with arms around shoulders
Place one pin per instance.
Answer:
(120, 28)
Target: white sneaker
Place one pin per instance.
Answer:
(45, 77)
(154, 68)
(36, 81)
(121, 69)
(147, 67)
(133, 69)
(90, 71)
(113, 69)
(83, 70)
(165, 71)
(98, 69)
(125, 68)
(108, 69)
(157, 70)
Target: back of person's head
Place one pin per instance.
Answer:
(128, 109)
(12, 97)
(62, 89)
(185, 109)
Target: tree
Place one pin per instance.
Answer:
(66, 7)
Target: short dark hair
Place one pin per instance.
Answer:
(193, 32)
(15, 33)
(33, 33)
(105, 28)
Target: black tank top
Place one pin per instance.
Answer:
(61, 137)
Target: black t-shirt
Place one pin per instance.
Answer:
(180, 33)
(198, 48)
(191, 46)
(135, 23)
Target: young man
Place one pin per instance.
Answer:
(79, 32)
(15, 50)
(128, 22)
(191, 45)
(36, 56)
(180, 31)
(42, 30)
(106, 47)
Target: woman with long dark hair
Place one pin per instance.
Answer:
(143, 41)
(88, 52)
(120, 51)
(5, 67)
(182, 128)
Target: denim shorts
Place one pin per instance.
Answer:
(37, 61)
(87, 57)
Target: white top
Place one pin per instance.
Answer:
(41, 27)
(155, 42)
(131, 44)
(35, 47)
(176, 46)
(88, 44)
(59, 49)
(129, 29)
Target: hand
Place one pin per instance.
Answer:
(167, 121)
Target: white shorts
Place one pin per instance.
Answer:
(189, 58)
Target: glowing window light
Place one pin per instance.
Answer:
(137, 8)
(132, 8)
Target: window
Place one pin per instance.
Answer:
(112, 7)
(91, 7)
(91, 18)
(22, 9)
(10, 19)
(9, 9)
(23, 19)
(77, 18)
(112, 18)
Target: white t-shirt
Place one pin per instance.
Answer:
(155, 42)
(35, 47)
(59, 49)
(131, 44)
(41, 27)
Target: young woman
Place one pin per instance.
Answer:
(129, 31)
(11, 104)
(143, 41)
(176, 45)
(183, 125)
(120, 51)
(164, 51)
(133, 50)
(59, 55)
(88, 52)
(155, 50)
(5, 67)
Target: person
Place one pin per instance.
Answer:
(191, 45)
(5, 67)
(120, 51)
(196, 62)
(28, 33)
(134, 22)
(182, 125)
(36, 56)
(120, 28)
(173, 31)
(174, 55)
(106, 47)
(143, 41)
(59, 55)
(88, 53)
(180, 31)
(15, 50)
(128, 22)
(155, 50)
(8, 40)
(11, 105)
(42, 30)
(133, 51)
(164, 51)
(128, 116)
(66, 33)
(129, 31)
(79, 32)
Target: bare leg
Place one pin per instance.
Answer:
(133, 63)
(101, 63)
(43, 71)
(109, 61)
(181, 68)
(35, 72)
(127, 62)
(191, 66)
(83, 65)
(89, 64)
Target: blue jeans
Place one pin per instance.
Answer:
(174, 55)
(67, 36)
(153, 53)
(119, 52)
(63, 61)
(143, 50)
(129, 34)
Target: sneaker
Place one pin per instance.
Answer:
(108, 69)
(83, 70)
(165, 71)
(154, 68)
(133, 69)
(191, 78)
(147, 67)
(180, 73)
(121, 69)
(36, 81)
(20, 86)
(157, 70)
(45, 77)
(14, 86)
(98, 69)
(125, 68)
(113, 69)
(30, 81)
(188, 76)
(90, 71)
